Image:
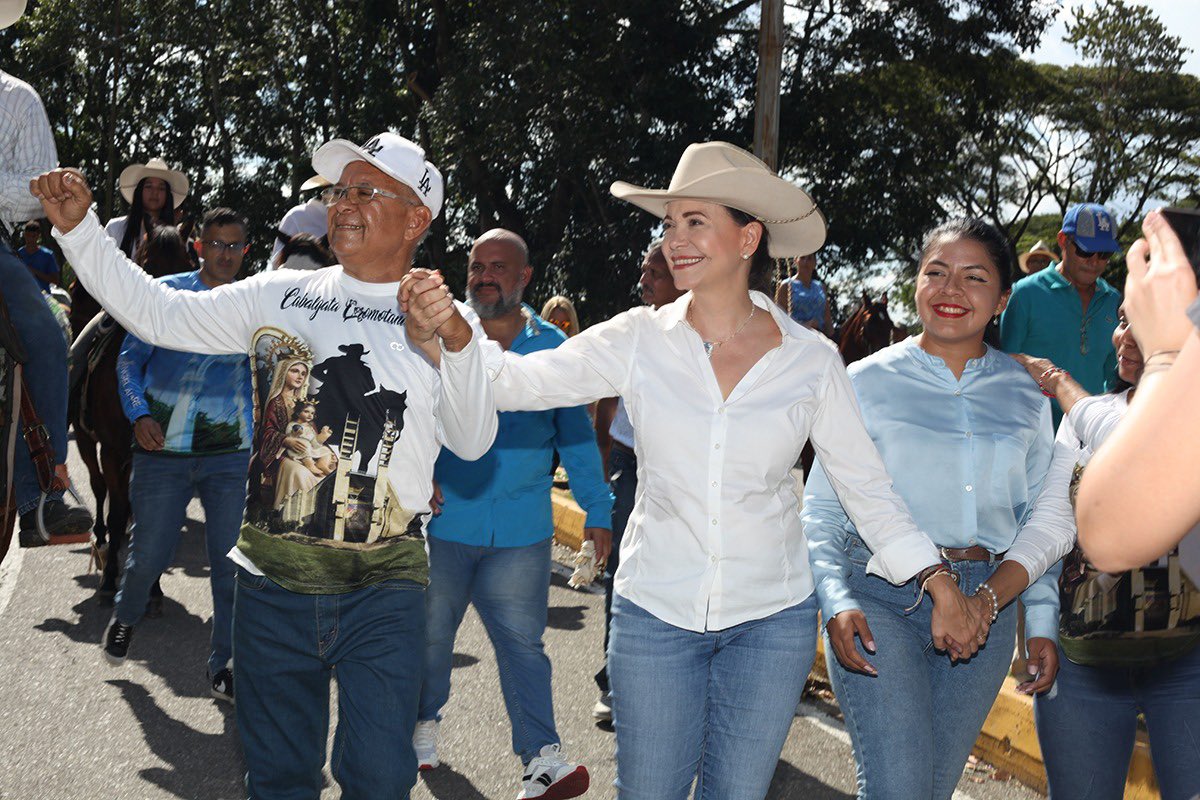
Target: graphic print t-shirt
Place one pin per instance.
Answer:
(348, 416)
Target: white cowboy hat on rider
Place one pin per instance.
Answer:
(10, 12)
(132, 175)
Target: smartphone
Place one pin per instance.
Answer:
(1186, 224)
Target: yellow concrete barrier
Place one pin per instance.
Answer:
(1008, 740)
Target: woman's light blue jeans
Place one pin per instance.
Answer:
(914, 725)
(1087, 724)
(713, 707)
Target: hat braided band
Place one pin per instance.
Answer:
(805, 215)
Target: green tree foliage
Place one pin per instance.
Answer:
(895, 114)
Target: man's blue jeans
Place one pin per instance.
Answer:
(160, 489)
(914, 725)
(622, 480)
(715, 707)
(510, 588)
(1087, 724)
(45, 370)
(286, 647)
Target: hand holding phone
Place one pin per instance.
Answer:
(1186, 224)
(1160, 287)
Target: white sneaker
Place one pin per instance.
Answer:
(425, 744)
(551, 777)
(602, 711)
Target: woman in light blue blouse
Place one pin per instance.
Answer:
(966, 436)
(803, 296)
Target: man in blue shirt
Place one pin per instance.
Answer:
(39, 260)
(192, 418)
(490, 545)
(1067, 313)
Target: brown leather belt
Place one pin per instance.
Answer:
(624, 448)
(972, 553)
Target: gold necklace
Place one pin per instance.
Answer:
(709, 347)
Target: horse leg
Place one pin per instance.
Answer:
(118, 523)
(86, 446)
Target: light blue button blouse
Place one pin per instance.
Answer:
(968, 457)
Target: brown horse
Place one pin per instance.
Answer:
(868, 329)
(103, 436)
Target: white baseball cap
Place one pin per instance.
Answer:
(391, 153)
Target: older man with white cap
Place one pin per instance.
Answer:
(331, 564)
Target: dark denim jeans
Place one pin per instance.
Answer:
(914, 725)
(1087, 724)
(510, 588)
(45, 370)
(622, 480)
(160, 489)
(286, 647)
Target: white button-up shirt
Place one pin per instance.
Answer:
(714, 538)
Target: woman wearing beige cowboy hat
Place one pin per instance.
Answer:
(153, 191)
(714, 618)
(1037, 259)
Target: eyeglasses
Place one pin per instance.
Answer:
(1087, 254)
(224, 247)
(563, 324)
(358, 195)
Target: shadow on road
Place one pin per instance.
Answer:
(174, 646)
(790, 783)
(565, 618)
(446, 784)
(201, 766)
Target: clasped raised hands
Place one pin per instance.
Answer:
(64, 195)
(429, 306)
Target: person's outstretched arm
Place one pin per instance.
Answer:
(1140, 494)
(216, 322)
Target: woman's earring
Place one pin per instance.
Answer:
(745, 257)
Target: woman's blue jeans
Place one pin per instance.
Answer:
(1087, 725)
(914, 725)
(712, 707)
(286, 647)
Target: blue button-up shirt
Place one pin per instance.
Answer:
(1046, 318)
(503, 499)
(968, 456)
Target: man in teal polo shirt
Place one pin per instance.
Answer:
(1066, 313)
(490, 544)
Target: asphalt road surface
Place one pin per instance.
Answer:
(71, 726)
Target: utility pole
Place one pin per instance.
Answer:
(110, 129)
(770, 66)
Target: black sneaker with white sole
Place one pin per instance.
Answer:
(116, 641)
(222, 685)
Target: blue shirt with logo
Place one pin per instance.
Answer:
(1046, 318)
(503, 498)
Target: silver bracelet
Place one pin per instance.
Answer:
(995, 600)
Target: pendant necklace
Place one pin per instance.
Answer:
(709, 347)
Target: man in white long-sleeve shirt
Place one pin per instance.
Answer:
(350, 418)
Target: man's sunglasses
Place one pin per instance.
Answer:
(1086, 254)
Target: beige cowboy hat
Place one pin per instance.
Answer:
(11, 11)
(718, 172)
(154, 168)
(1039, 249)
(315, 182)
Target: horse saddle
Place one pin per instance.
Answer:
(89, 348)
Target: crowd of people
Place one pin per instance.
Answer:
(373, 455)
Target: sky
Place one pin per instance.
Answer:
(1178, 15)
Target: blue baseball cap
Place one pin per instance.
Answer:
(1092, 228)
